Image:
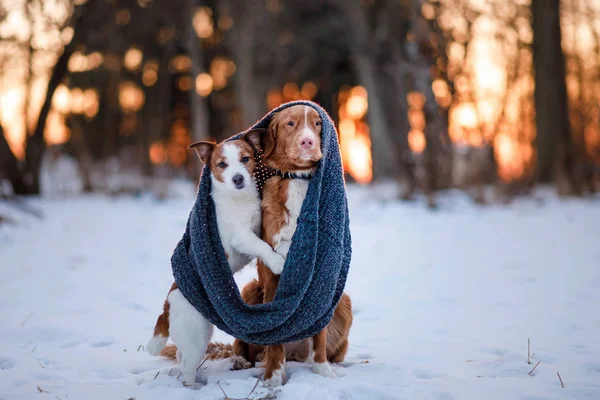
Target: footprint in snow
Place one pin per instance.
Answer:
(103, 343)
(524, 280)
(7, 363)
(425, 374)
(141, 369)
(135, 307)
(69, 345)
(593, 367)
(495, 351)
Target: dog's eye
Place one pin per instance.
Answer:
(245, 160)
(290, 123)
(222, 165)
(318, 123)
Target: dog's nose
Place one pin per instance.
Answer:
(238, 181)
(306, 142)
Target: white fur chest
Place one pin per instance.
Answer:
(238, 217)
(296, 192)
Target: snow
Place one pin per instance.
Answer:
(444, 301)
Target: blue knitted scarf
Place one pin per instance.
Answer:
(315, 270)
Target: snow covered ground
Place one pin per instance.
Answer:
(444, 302)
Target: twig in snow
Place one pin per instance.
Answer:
(561, 381)
(254, 388)
(202, 363)
(224, 394)
(271, 395)
(530, 372)
(170, 371)
(179, 375)
(141, 346)
(529, 351)
(156, 375)
(33, 350)
(41, 390)
(41, 364)
(26, 319)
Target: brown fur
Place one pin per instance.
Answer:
(162, 323)
(283, 152)
(214, 351)
(280, 141)
(212, 153)
(337, 332)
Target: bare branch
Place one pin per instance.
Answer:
(561, 381)
(530, 372)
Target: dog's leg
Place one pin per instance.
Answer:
(161, 330)
(338, 330)
(283, 247)
(191, 332)
(340, 354)
(274, 355)
(318, 355)
(252, 294)
(238, 261)
(275, 366)
(253, 246)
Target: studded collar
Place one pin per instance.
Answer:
(262, 173)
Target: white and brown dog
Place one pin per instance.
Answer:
(238, 214)
(292, 146)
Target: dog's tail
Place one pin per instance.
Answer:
(169, 351)
(214, 351)
(157, 343)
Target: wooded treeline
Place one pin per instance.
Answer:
(144, 78)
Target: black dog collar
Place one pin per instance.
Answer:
(262, 173)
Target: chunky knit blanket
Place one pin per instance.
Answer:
(315, 270)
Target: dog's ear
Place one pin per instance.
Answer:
(204, 150)
(254, 137)
(271, 136)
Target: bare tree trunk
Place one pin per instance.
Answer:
(554, 143)
(35, 145)
(390, 33)
(199, 113)
(157, 115)
(29, 77)
(9, 165)
(113, 113)
(251, 88)
(385, 160)
(422, 80)
(186, 36)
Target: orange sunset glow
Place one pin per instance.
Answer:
(354, 133)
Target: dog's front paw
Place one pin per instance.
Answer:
(283, 247)
(194, 385)
(323, 369)
(276, 379)
(239, 363)
(276, 264)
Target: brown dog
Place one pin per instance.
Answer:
(292, 144)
